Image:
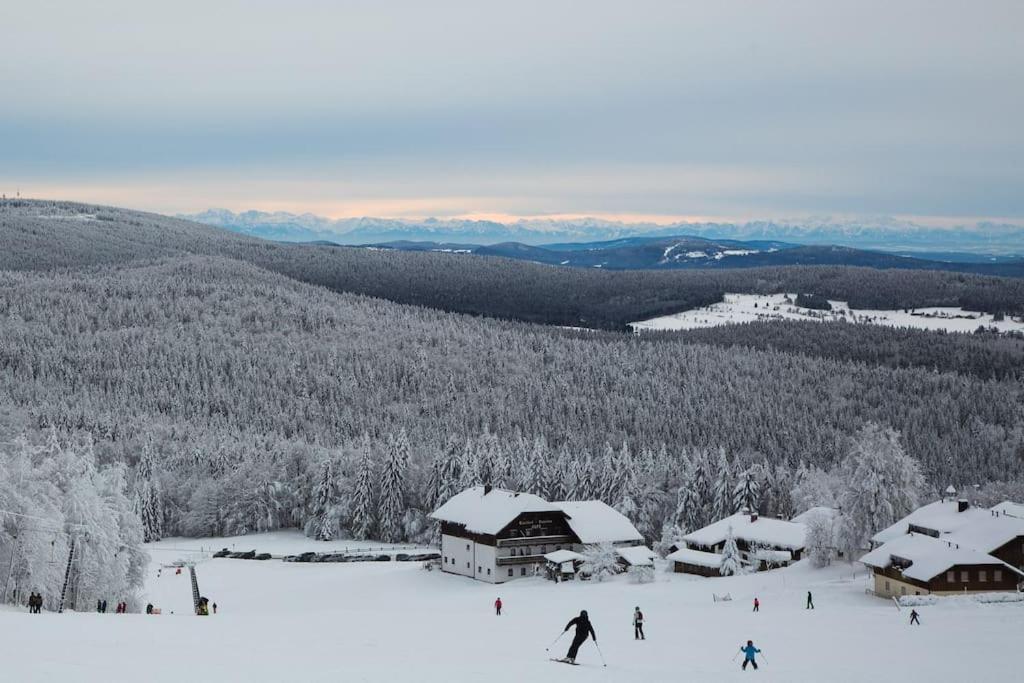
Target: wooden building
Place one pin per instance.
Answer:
(763, 542)
(496, 535)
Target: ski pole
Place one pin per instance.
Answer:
(737, 654)
(601, 654)
(548, 648)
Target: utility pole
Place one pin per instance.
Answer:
(67, 575)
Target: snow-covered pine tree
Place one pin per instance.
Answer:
(147, 499)
(747, 492)
(602, 561)
(700, 504)
(325, 522)
(723, 488)
(881, 484)
(732, 561)
(392, 491)
(364, 499)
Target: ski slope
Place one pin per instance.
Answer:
(395, 622)
(743, 308)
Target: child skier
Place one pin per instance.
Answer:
(914, 617)
(638, 625)
(583, 629)
(749, 651)
(757, 605)
(497, 607)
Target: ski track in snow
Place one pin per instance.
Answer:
(395, 622)
(739, 308)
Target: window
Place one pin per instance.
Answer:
(510, 572)
(997, 575)
(903, 590)
(488, 571)
(467, 547)
(951, 577)
(478, 569)
(963, 575)
(467, 565)
(886, 586)
(522, 571)
(982, 575)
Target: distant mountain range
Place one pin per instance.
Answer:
(694, 253)
(979, 240)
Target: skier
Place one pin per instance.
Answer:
(583, 629)
(149, 608)
(497, 607)
(757, 605)
(810, 601)
(214, 608)
(638, 625)
(914, 617)
(99, 607)
(749, 651)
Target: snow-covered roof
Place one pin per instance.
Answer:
(773, 556)
(818, 510)
(988, 533)
(637, 555)
(943, 516)
(490, 512)
(1008, 507)
(560, 556)
(696, 557)
(763, 531)
(596, 522)
(928, 556)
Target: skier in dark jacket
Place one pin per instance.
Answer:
(810, 601)
(914, 617)
(638, 625)
(749, 651)
(583, 629)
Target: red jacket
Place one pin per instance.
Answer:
(497, 603)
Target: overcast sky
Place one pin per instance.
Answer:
(665, 109)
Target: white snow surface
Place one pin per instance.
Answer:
(595, 521)
(740, 308)
(1008, 507)
(395, 622)
(562, 556)
(766, 530)
(941, 516)
(491, 512)
(929, 556)
(989, 534)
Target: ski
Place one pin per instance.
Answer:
(564, 661)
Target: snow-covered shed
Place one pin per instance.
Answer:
(636, 556)
(689, 561)
(563, 564)
(919, 564)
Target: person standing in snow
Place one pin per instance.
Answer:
(497, 607)
(749, 651)
(214, 608)
(638, 625)
(914, 617)
(810, 601)
(583, 629)
(757, 605)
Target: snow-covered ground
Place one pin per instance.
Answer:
(395, 622)
(740, 308)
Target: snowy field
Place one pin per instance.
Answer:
(741, 308)
(395, 622)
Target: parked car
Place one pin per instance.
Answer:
(306, 557)
(361, 558)
(402, 557)
(262, 556)
(222, 553)
(382, 558)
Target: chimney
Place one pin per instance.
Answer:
(962, 505)
(487, 489)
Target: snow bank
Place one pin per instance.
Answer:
(969, 598)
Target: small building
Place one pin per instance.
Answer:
(563, 565)
(636, 556)
(497, 535)
(689, 561)
(763, 542)
(920, 564)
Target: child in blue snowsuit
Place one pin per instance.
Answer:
(749, 651)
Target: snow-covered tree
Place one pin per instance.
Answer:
(671, 537)
(364, 497)
(820, 541)
(732, 561)
(723, 488)
(747, 492)
(602, 561)
(881, 484)
(148, 498)
(328, 509)
(392, 490)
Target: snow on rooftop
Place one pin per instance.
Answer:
(1008, 507)
(942, 516)
(773, 556)
(696, 557)
(490, 512)
(637, 555)
(763, 531)
(988, 533)
(928, 556)
(596, 522)
(561, 556)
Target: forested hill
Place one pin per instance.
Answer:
(36, 235)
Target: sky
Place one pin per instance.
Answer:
(673, 110)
